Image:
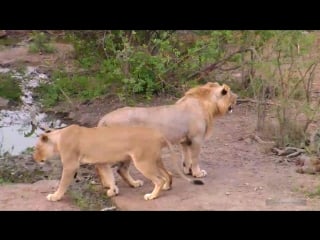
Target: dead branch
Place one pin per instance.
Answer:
(246, 100)
(218, 64)
(296, 153)
(229, 69)
(256, 138)
(289, 152)
(259, 140)
(184, 58)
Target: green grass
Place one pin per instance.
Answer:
(9, 88)
(316, 193)
(72, 86)
(4, 180)
(41, 43)
(7, 41)
(89, 197)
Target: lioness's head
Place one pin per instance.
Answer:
(220, 96)
(44, 149)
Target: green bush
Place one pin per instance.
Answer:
(9, 88)
(41, 44)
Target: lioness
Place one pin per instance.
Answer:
(189, 121)
(104, 146)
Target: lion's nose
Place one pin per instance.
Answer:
(42, 161)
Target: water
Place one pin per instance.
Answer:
(19, 128)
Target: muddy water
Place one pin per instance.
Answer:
(19, 127)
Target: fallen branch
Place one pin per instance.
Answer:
(259, 140)
(289, 152)
(296, 153)
(256, 138)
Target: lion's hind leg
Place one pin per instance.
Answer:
(125, 174)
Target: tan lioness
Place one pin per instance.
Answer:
(104, 146)
(189, 121)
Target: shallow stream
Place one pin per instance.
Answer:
(19, 127)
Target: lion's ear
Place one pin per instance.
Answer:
(44, 138)
(212, 84)
(224, 91)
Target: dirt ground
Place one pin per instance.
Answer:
(242, 174)
(240, 177)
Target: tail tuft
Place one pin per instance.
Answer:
(197, 182)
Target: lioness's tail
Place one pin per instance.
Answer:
(175, 158)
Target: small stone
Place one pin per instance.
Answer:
(109, 208)
(3, 33)
(227, 193)
(3, 103)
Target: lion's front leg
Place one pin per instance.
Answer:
(195, 152)
(66, 179)
(186, 158)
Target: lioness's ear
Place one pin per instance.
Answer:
(44, 138)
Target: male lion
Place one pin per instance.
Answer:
(104, 146)
(189, 121)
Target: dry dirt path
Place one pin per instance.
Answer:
(240, 177)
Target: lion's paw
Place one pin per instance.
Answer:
(137, 183)
(200, 174)
(53, 197)
(113, 191)
(148, 196)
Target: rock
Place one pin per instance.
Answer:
(4, 103)
(3, 33)
(310, 165)
(112, 208)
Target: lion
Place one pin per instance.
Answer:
(188, 122)
(103, 147)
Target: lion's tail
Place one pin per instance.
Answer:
(175, 158)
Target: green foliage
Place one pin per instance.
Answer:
(314, 194)
(89, 197)
(9, 88)
(269, 65)
(82, 87)
(8, 41)
(2, 181)
(41, 43)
